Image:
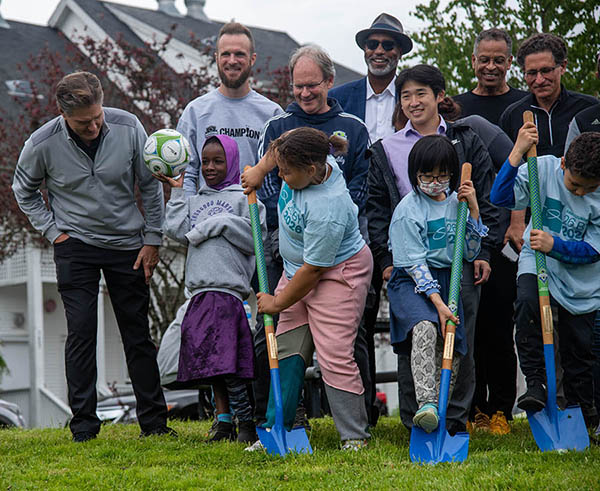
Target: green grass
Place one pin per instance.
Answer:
(118, 459)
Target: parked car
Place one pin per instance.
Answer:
(181, 404)
(10, 415)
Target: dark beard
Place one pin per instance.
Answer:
(234, 84)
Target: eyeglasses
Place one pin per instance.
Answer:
(301, 87)
(485, 60)
(442, 179)
(387, 45)
(544, 72)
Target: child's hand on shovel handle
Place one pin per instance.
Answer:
(444, 313)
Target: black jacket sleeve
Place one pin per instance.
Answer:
(379, 211)
(483, 177)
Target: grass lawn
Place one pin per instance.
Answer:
(118, 459)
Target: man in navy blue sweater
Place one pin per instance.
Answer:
(313, 73)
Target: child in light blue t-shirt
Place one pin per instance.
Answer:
(422, 233)
(570, 238)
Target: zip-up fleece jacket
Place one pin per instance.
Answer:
(93, 201)
(552, 125)
(354, 163)
(215, 225)
(383, 196)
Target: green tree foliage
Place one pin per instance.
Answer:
(451, 28)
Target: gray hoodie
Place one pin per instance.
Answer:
(215, 225)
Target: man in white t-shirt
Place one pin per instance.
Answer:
(232, 109)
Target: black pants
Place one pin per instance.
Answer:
(575, 344)
(78, 267)
(495, 358)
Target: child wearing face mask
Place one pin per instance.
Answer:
(216, 341)
(421, 234)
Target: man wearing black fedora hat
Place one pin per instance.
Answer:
(373, 97)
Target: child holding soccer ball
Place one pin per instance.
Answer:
(216, 342)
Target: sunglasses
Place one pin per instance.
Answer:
(373, 44)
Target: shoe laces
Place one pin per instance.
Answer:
(482, 420)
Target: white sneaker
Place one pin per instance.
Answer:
(353, 445)
(256, 446)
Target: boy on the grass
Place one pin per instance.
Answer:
(570, 238)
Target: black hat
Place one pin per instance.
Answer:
(386, 24)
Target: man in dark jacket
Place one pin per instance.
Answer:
(543, 58)
(373, 98)
(421, 88)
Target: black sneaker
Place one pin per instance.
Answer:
(534, 399)
(300, 420)
(223, 431)
(455, 427)
(83, 436)
(247, 432)
(159, 431)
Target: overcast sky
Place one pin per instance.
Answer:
(330, 24)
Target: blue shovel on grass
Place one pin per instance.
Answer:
(552, 428)
(439, 446)
(276, 440)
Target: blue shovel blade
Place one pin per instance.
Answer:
(278, 441)
(565, 430)
(438, 446)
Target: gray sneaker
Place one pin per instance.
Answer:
(354, 445)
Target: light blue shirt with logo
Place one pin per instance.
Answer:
(318, 225)
(572, 218)
(423, 230)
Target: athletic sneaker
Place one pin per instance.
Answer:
(481, 421)
(534, 399)
(300, 420)
(427, 417)
(224, 431)
(255, 447)
(499, 425)
(159, 431)
(84, 436)
(247, 432)
(354, 445)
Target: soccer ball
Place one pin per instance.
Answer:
(166, 152)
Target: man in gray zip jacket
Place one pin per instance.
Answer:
(90, 158)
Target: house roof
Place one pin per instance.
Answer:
(22, 41)
(272, 47)
(19, 44)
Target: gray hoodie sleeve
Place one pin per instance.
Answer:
(177, 216)
(235, 229)
(151, 191)
(29, 175)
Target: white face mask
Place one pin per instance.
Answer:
(434, 188)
